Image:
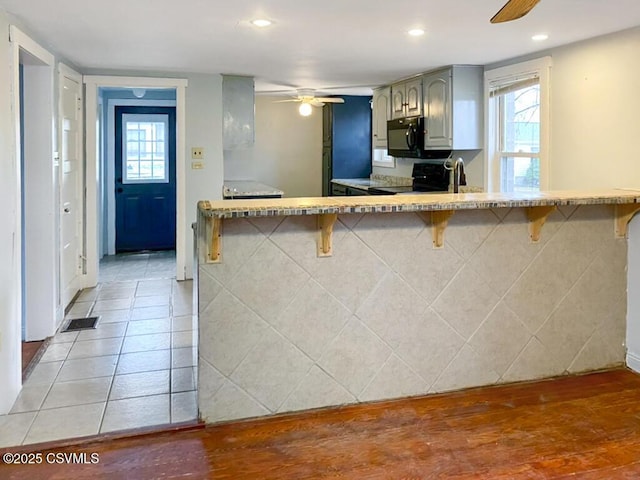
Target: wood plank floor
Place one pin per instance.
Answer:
(31, 352)
(585, 427)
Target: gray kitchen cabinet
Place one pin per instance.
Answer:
(406, 98)
(338, 190)
(453, 108)
(353, 191)
(381, 113)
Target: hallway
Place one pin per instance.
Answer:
(136, 369)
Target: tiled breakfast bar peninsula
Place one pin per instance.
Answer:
(314, 302)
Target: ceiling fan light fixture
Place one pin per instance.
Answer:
(416, 32)
(305, 109)
(261, 22)
(540, 37)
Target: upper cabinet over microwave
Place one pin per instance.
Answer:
(451, 100)
(406, 98)
(453, 108)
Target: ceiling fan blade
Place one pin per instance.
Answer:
(288, 100)
(330, 99)
(513, 10)
(316, 102)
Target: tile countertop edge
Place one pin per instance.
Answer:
(411, 203)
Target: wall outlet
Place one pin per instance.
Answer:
(197, 153)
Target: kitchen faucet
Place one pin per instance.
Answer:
(456, 173)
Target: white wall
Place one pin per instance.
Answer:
(204, 129)
(595, 101)
(287, 153)
(595, 106)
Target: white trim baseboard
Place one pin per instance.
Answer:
(633, 362)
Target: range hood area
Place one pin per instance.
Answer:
(238, 110)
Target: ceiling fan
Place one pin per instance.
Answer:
(307, 99)
(513, 10)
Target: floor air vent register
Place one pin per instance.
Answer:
(82, 324)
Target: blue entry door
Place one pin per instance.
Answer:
(145, 178)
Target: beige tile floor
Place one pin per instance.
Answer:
(136, 369)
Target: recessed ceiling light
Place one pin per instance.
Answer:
(416, 32)
(261, 22)
(540, 37)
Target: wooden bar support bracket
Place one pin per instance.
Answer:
(624, 214)
(537, 216)
(215, 240)
(438, 220)
(325, 226)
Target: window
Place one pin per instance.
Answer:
(518, 125)
(145, 148)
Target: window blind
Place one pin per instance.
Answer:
(502, 87)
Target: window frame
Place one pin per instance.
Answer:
(541, 68)
(144, 118)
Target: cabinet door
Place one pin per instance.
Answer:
(356, 192)
(413, 92)
(380, 115)
(437, 110)
(398, 101)
(338, 189)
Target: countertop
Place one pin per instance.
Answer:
(411, 203)
(362, 183)
(367, 183)
(248, 188)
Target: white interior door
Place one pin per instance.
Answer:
(71, 216)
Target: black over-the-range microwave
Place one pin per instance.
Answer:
(405, 138)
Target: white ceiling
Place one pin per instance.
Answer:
(330, 45)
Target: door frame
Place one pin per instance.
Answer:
(42, 309)
(109, 222)
(66, 71)
(93, 83)
(40, 222)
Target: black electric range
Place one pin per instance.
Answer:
(428, 177)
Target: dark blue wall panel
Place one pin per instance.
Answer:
(352, 137)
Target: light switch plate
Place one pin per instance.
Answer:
(197, 153)
(197, 165)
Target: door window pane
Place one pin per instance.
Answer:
(144, 148)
